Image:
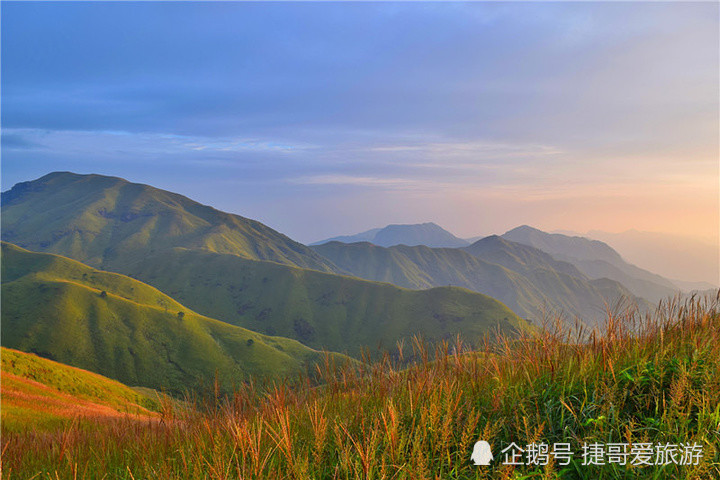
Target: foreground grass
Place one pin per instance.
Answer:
(39, 394)
(647, 380)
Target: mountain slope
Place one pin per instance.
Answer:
(428, 234)
(38, 393)
(107, 221)
(530, 282)
(126, 330)
(154, 236)
(518, 257)
(596, 260)
(672, 256)
(338, 313)
(421, 267)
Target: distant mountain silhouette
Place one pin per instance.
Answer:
(695, 262)
(428, 234)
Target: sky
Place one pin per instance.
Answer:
(322, 119)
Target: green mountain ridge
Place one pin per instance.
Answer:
(321, 310)
(106, 222)
(518, 257)
(129, 331)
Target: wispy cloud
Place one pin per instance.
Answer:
(360, 181)
(470, 149)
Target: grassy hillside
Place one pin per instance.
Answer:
(321, 310)
(527, 280)
(652, 381)
(107, 221)
(518, 257)
(129, 331)
(39, 394)
(421, 267)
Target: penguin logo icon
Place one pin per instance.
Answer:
(482, 454)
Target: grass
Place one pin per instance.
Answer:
(651, 379)
(129, 331)
(43, 395)
(321, 310)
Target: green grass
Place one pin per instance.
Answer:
(653, 379)
(126, 330)
(333, 312)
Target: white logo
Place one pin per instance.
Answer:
(482, 455)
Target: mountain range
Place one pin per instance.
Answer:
(108, 222)
(596, 260)
(154, 289)
(224, 267)
(531, 282)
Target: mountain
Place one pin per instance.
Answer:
(529, 281)
(695, 262)
(596, 260)
(107, 222)
(428, 234)
(39, 394)
(172, 243)
(422, 267)
(690, 287)
(367, 236)
(123, 329)
(321, 310)
(518, 257)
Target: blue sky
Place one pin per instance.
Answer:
(330, 118)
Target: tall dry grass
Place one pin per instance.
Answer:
(648, 378)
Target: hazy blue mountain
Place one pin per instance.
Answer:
(367, 236)
(595, 259)
(694, 286)
(428, 234)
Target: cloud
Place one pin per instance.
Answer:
(17, 141)
(347, 102)
(349, 180)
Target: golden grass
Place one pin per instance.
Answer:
(652, 378)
